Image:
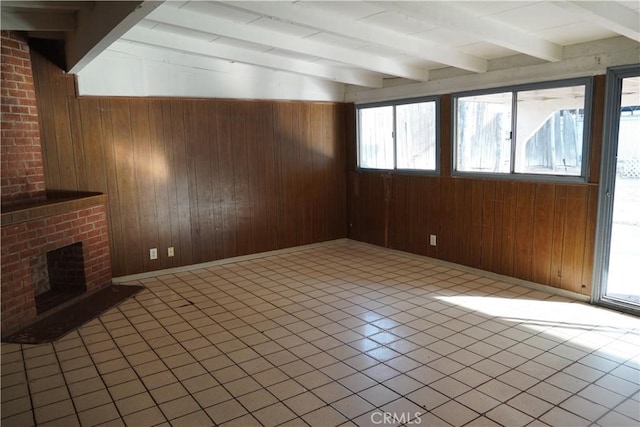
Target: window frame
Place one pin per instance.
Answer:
(587, 82)
(394, 104)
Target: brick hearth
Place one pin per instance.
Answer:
(29, 233)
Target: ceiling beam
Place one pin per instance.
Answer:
(48, 4)
(485, 28)
(32, 20)
(610, 15)
(246, 56)
(274, 39)
(374, 34)
(100, 26)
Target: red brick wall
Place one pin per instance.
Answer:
(23, 243)
(22, 173)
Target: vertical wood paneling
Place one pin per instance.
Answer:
(475, 219)
(259, 164)
(523, 235)
(75, 125)
(161, 181)
(285, 123)
(173, 226)
(589, 243)
(488, 218)
(94, 142)
(143, 179)
(212, 178)
(432, 215)
(180, 168)
(446, 238)
(115, 217)
(557, 249)
(460, 226)
(336, 167)
(371, 213)
(574, 237)
(398, 211)
(242, 196)
(465, 217)
(508, 227)
(542, 237)
(62, 126)
(225, 176)
(306, 181)
(126, 182)
(418, 218)
(498, 244)
(199, 155)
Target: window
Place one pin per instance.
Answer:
(400, 135)
(531, 130)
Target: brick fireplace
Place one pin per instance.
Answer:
(55, 245)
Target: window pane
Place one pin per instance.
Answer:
(483, 133)
(376, 137)
(550, 124)
(416, 136)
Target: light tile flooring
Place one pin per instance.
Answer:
(336, 334)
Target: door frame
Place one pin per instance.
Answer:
(613, 92)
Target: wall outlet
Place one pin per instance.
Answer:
(432, 239)
(153, 253)
(170, 251)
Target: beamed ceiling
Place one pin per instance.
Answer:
(339, 48)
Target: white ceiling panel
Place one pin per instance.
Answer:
(398, 23)
(219, 10)
(181, 31)
(294, 55)
(537, 17)
(484, 8)
(330, 38)
(283, 27)
(385, 52)
(446, 37)
(348, 9)
(242, 44)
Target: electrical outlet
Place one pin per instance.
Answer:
(432, 239)
(170, 251)
(153, 253)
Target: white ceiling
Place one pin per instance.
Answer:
(336, 47)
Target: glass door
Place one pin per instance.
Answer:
(617, 273)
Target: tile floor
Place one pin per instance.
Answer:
(336, 334)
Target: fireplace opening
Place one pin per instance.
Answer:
(63, 278)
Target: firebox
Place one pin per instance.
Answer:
(65, 277)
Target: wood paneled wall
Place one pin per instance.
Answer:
(213, 178)
(538, 231)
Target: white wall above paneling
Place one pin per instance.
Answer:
(143, 71)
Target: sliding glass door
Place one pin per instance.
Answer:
(617, 273)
